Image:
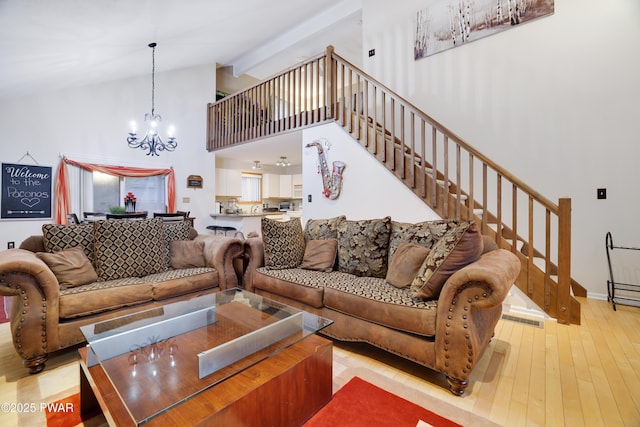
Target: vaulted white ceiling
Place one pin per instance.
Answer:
(53, 44)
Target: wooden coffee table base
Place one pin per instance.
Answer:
(283, 390)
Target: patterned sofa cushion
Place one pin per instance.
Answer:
(283, 243)
(129, 248)
(103, 296)
(320, 229)
(459, 247)
(368, 298)
(425, 233)
(58, 237)
(363, 246)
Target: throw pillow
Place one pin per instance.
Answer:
(129, 248)
(405, 264)
(173, 230)
(320, 255)
(459, 246)
(59, 237)
(70, 266)
(283, 243)
(187, 254)
(363, 247)
(425, 233)
(318, 229)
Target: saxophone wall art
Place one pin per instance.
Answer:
(331, 181)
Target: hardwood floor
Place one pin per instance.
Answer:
(552, 375)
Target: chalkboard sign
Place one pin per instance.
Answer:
(26, 191)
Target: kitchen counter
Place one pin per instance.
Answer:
(248, 222)
(244, 214)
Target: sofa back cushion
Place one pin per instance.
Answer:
(459, 247)
(321, 229)
(70, 266)
(58, 237)
(283, 243)
(363, 246)
(129, 248)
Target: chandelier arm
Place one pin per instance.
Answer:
(152, 140)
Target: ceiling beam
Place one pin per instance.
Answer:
(305, 29)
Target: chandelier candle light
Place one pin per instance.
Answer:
(152, 140)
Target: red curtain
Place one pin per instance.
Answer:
(61, 186)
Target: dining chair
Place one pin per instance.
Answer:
(134, 215)
(72, 218)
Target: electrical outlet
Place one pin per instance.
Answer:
(602, 193)
(372, 52)
(186, 200)
(11, 245)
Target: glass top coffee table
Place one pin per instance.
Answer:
(158, 361)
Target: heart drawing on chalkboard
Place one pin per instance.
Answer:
(30, 202)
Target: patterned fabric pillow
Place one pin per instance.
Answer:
(129, 248)
(425, 233)
(320, 229)
(59, 237)
(363, 247)
(171, 231)
(459, 246)
(283, 243)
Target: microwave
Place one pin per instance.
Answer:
(284, 206)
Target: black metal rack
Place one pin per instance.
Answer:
(613, 286)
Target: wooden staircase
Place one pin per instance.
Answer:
(452, 177)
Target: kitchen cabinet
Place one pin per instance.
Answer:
(270, 186)
(228, 182)
(286, 186)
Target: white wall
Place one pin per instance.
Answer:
(369, 190)
(553, 101)
(91, 123)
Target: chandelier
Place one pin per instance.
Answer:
(283, 162)
(152, 140)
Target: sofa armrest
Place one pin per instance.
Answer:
(254, 255)
(34, 317)
(220, 253)
(469, 308)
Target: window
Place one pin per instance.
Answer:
(102, 191)
(251, 188)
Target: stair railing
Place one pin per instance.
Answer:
(452, 177)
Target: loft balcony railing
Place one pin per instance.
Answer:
(450, 175)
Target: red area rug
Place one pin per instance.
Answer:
(362, 404)
(357, 404)
(66, 412)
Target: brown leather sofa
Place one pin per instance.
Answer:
(122, 267)
(447, 332)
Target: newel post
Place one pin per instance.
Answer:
(330, 81)
(564, 261)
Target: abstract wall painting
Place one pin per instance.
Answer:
(451, 23)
